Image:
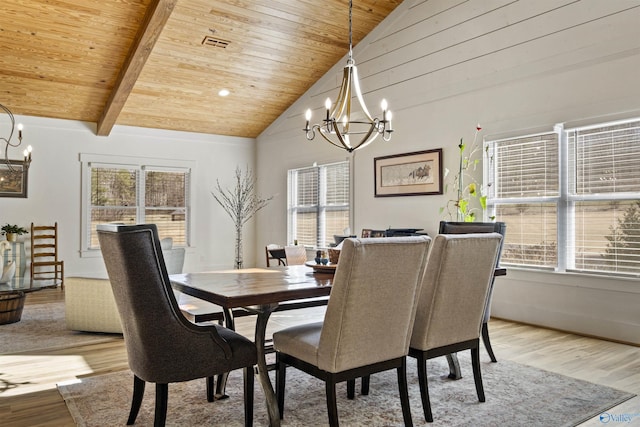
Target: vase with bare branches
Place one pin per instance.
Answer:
(241, 203)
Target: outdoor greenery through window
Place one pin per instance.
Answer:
(570, 198)
(134, 194)
(318, 206)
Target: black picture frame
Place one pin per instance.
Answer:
(410, 174)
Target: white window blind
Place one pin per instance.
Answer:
(570, 198)
(604, 195)
(166, 203)
(524, 190)
(318, 204)
(135, 191)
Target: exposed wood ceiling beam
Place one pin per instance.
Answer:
(155, 19)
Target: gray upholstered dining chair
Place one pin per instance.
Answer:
(451, 303)
(449, 227)
(162, 346)
(368, 321)
(295, 255)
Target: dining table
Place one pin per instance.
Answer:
(262, 291)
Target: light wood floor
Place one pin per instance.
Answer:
(603, 362)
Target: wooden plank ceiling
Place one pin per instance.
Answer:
(144, 63)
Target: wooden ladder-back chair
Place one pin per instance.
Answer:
(45, 264)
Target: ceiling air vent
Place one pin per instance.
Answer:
(211, 41)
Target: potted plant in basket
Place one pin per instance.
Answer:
(12, 231)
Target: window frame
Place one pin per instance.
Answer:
(140, 165)
(321, 208)
(566, 200)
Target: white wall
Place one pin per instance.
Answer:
(513, 67)
(54, 185)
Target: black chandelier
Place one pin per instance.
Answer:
(7, 140)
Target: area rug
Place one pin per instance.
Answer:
(43, 327)
(516, 395)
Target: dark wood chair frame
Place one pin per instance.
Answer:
(423, 356)
(331, 379)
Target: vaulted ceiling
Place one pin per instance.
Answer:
(161, 63)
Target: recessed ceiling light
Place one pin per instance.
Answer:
(224, 92)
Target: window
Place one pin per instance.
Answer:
(570, 198)
(318, 206)
(134, 191)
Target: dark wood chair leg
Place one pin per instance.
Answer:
(487, 343)
(281, 373)
(162, 395)
(365, 385)
(332, 406)
(477, 376)
(351, 389)
(210, 389)
(248, 396)
(404, 393)
(424, 387)
(136, 400)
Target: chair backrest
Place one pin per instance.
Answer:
(448, 227)
(44, 253)
(455, 288)
(159, 345)
(373, 300)
(274, 253)
(296, 255)
(452, 227)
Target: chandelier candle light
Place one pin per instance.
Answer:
(8, 143)
(338, 127)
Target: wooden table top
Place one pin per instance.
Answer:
(254, 286)
(258, 286)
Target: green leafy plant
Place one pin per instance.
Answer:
(465, 186)
(13, 229)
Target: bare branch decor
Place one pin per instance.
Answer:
(240, 203)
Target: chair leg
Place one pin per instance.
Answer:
(487, 343)
(454, 366)
(351, 389)
(136, 400)
(248, 396)
(364, 387)
(162, 394)
(424, 387)
(477, 376)
(281, 373)
(210, 389)
(332, 406)
(404, 393)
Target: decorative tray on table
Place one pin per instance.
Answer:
(321, 268)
